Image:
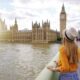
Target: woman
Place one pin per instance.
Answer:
(68, 56)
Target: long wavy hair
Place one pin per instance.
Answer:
(71, 50)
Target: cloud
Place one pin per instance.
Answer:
(71, 1)
(27, 11)
(37, 10)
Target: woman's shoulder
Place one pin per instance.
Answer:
(62, 48)
(79, 49)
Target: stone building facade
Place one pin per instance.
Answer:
(3, 26)
(43, 34)
(38, 34)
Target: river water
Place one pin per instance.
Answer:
(24, 61)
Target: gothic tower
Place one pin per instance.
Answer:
(14, 28)
(62, 20)
(16, 25)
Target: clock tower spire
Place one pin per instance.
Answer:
(63, 9)
(62, 20)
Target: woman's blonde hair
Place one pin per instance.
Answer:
(71, 50)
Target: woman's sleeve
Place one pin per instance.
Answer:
(64, 62)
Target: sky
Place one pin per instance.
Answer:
(26, 11)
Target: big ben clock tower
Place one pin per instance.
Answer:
(62, 20)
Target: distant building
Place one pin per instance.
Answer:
(62, 20)
(43, 34)
(38, 34)
(3, 26)
(3, 29)
(20, 35)
(14, 28)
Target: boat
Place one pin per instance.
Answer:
(46, 74)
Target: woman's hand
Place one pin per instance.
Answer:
(56, 63)
(51, 68)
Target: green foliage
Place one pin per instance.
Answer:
(59, 39)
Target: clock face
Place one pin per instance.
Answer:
(62, 16)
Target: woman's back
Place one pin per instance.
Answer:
(64, 64)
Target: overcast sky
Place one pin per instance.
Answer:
(27, 11)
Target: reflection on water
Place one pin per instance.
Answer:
(24, 61)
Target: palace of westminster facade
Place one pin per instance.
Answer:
(38, 34)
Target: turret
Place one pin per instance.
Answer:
(46, 25)
(16, 25)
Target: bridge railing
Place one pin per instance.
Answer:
(47, 74)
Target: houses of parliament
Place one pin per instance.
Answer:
(38, 34)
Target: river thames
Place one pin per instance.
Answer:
(24, 61)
